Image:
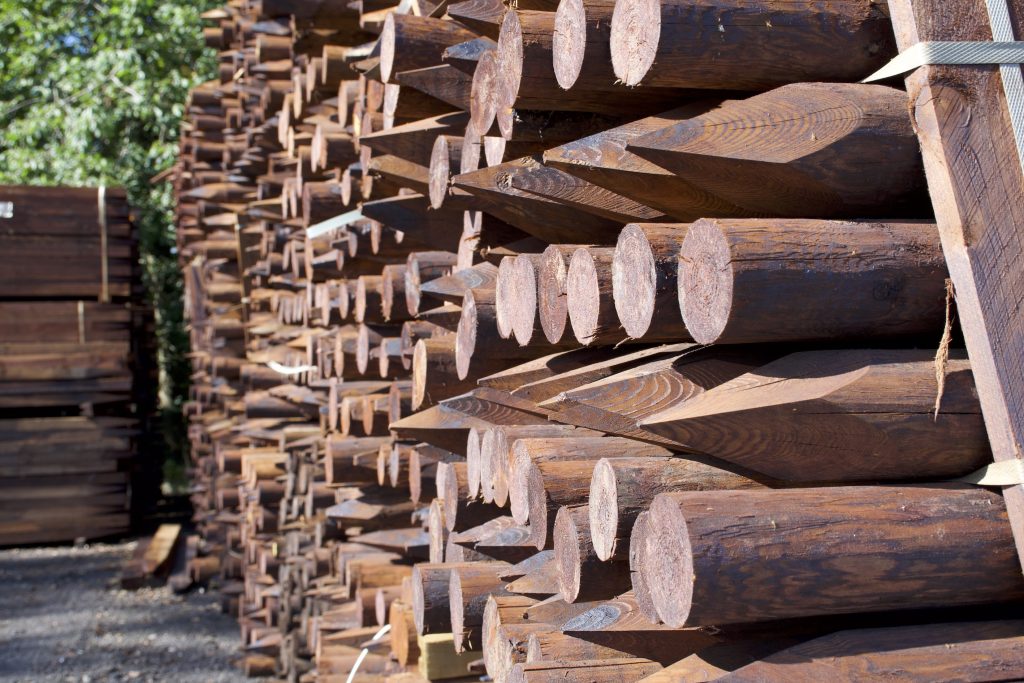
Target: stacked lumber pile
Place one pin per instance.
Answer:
(504, 365)
(76, 374)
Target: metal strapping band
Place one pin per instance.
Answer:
(339, 221)
(289, 370)
(1004, 51)
(101, 207)
(950, 53)
(362, 655)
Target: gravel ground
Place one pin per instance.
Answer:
(63, 617)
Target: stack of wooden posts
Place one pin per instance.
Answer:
(75, 362)
(580, 341)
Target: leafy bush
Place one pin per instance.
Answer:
(93, 92)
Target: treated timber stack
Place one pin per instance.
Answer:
(566, 350)
(76, 374)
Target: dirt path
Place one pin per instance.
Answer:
(64, 618)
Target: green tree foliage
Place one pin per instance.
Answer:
(93, 92)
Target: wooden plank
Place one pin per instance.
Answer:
(974, 177)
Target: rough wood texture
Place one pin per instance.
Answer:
(411, 42)
(644, 281)
(669, 43)
(861, 415)
(965, 651)
(623, 487)
(882, 543)
(619, 401)
(527, 76)
(582, 575)
(804, 150)
(979, 222)
(751, 280)
(534, 214)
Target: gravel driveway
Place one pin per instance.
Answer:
(64, 618)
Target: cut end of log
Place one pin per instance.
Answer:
(465, 336)
(387, 47)
(457, 608)
(360, 301)
(583, 294)
(604, 511)
(636, 31)
(387, 293)
(634, 281)
(504, 297)
(492, 637)
(537, 500)
(482, 91)
(705, 282)
(473, 462)
(569, 42)
(394, 403)
(363, 348)
(668, 568)
(448, 491)
(412, 286)
(440, 171)
(488, 446)
(419, 374)
(469, 160)
(567, 554)
(519, 503)
(552, 305)
(509, 72)
(437, 531)
(418, 598)
(524, 299)
(499, 455)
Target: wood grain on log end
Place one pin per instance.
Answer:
(509, 55)
(505, 297)
(569, 42)
(472, 141)
(446, 154)
(482, 93)
(552, 305)
(636, 31)
(473, 439)
(588, 294)
(524, 299)
(465, 337)
(634, 281)
(568, 555)
(705, 282)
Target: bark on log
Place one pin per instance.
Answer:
(821, 142)
(734, 275)
(413, 42)
(862, 415)
(669, 43)
(882, 543)
(622, 488)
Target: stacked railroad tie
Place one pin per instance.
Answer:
(76, 372)
(564, 379)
